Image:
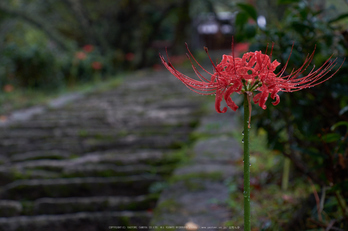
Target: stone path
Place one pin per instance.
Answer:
(92, 162)
(198, 194)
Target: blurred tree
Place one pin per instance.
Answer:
(122, 32)
(32, 19)
(129, 25)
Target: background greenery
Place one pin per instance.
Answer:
(40, 39)
(311, 126)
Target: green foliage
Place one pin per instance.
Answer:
(248, 9)
(310, 126)
(272, 208)
(245, 29)
(30, 67)
(40, 39)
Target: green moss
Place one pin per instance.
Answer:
(195, 136)
(166, 206)
(193, 181)
(163, 170)
(214, 176)
(193, 185)
(96, 173)
(194, 123)
(158, 187)
(83, 133)
(124, 221)
(122, 133)
(104, 137)
(177, 145)
(73, 156)
(143, 205)
(96, 136)
(28, 207)
(17, 175)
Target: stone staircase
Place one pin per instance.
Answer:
(94, 163)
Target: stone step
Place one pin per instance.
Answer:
(112, 156)
(87, 221)
(84, 145)
(18, 146)
(136, 142)
(10, 208)
(79, 166)
(39, 135)
(47, 169)
(115, 120)
(93, 204)
(39, 155)
(108, 170)
(68, 114)
(24, 133)
(78, 187)
(9, 175)
(72, 122)
(82, 141)
(34, 134)
(4, 159)
(96, 109)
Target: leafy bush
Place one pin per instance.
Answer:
(33, 67)
(37, 67)
(300, 125)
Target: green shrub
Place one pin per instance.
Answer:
(300, 126)
(32, 67)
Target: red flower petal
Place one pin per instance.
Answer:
(218, 99)
(253, 72)
(228, 99)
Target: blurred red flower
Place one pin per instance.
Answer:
(80, 55)
(88, 48)
(8, 88)
(97, 65)
(129, 56)
(3, 118)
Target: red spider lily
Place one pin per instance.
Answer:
(88, 48)
(253, 72)
(8, 88)
(81, 55)
(97, 65)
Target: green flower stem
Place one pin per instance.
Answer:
(246, 192)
